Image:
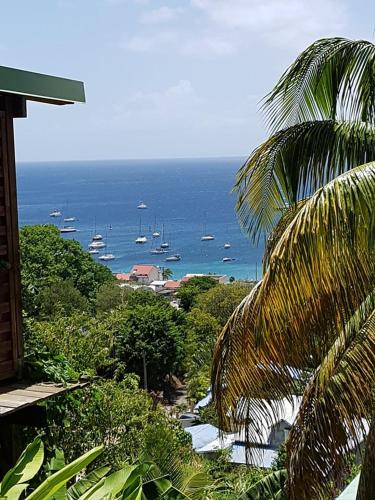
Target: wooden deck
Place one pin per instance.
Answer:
(18, 395)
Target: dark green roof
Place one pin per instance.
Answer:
(39, 87)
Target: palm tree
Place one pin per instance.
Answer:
(311, 186)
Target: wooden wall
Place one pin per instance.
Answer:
(10, 309)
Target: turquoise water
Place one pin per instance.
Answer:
(188, 196)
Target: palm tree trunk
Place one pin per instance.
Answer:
(366, 487)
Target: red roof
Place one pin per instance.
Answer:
(122, 276)
(186, 278)
(142, 269)
(172, 284)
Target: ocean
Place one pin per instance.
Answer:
(186, 196)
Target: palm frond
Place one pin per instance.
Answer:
(295, 162)
(338, 397)
(272, 240)
(270, 487)
(334, 78)
(319, 272)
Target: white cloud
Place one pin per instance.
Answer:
(180, 43)
(149, 43)
(281, 21)
(208, 45)
(161, 15)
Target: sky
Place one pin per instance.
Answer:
(163, 78)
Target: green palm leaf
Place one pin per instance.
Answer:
(295, 162)
(319, 272)
(270, 487)
(339, 393)
(334, 78)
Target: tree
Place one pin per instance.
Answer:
(202, 331)
(84, 342)
(110, 295)
(46, 258)
(61, 299)
(166, 273)
(222, 300)
(189, 291)
(315, 303)
(148, 332)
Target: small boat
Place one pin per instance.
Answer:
(107, 256)
(156, 234)
(68, 229)
(93, 251)
(97, 244)
(158, 251)
(228, 259)
(70, 219)
(141, 240)
(226, 245)
(97, 237)
(173, 258)
(164, 243)
(142, 206)
(55, 213)
(207, 237)
(110, 227)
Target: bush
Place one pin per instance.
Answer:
(189, 291)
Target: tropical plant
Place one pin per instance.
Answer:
(314, 306)
(132, 482)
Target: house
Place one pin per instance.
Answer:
(141, 274)
(18, 397)
(269, 435)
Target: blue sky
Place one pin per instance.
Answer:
(172, 78)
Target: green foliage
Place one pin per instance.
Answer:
(149, 330)
(269, 487)
(136, 481)
(122, 417)
(166, 273)
(202, 330)
(46, 258)
(61, 299)
(40, 363)
(110, 295)
(221, 300)
(85, 343)
(189, 291)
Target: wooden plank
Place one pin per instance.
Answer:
(4, 307)
(5, 326)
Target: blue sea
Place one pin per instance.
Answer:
(187, 196)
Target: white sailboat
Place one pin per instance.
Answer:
(158, 251)
(227, 245)
(107, 256)
(70, 219)
(207, 236)
(68, 229)
(173, 258)
(97, 244)
(142, 206)
(94, 251)
(164, 244)
(228, 259)
(141, 239)
(55, 213)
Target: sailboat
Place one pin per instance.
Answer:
(142, 206)
(156, 233)
(107, 256)
(206, 236)
(164, 243)
(158, 251)
(173, 258)
(68, 229)
(141, 239)
(55, 213)
(227, 245)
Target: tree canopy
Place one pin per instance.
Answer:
(47, 258)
